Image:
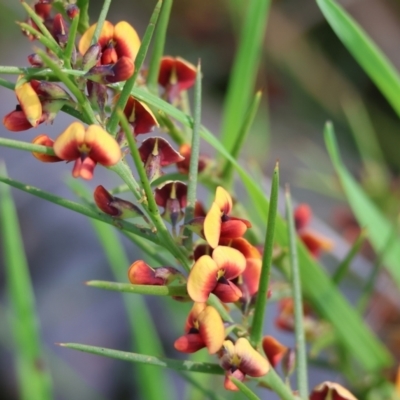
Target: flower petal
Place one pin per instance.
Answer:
(224, 200)
(302, 216)
(185, 72)
(241, 244)
(315, 242)
(30, 103)
(202, 279)
(191, 320)
(212, 225)
(107, 33)
(251, 276)
(103, 200)
(211, 329)
(273, 349)
(127, 42)
(331, 391)
(252, 362)
(104, 149)
(232, 229)
(228, 384)
(189, 343)
(227, 292)
(232, 261)
(66, 145)
(44, 140)
(16, 121)
(140, 273)
(84, 168)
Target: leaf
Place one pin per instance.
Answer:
(378, 227)
(364, 50)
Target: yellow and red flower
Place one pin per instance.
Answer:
(140, 273)
(239, 360)
(87, 147)
(176, 75)
(44, 140)
(203, 328)
(331, 391)
(218, 224)
(215, 274)
(172, 197)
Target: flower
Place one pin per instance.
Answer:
(44, 140)
(218, 224)
(183, 166)
(215, 274)
(115, 206)
(87, 147)
(313, 241)
(331, 391)
(140, 273)
(176, 75)
(156, 152)
(273, 349)
(203, 328)
(239, 360)
(172, 196)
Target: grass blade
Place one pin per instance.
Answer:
(261, 301)
(301, 349)
(179, 365)
(244, 72)
(33, 378)
(368, 55)
(378, 227)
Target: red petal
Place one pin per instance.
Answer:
(331, 391)
(232, 229)
(227, 292)
(189, 343)
(103, 198)
(127, 42)
(186, 73)
(16, 121)
(273, 349)
(302, 216)
(140, 273)
(44, 140)
(231, 261)
(84, 169)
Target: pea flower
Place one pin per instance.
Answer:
(87, 147)
(176, 75)
(239, 360)
(183, 166)
(218, 224)
(215, 274)
(273, 349)
(44, 140)
(203, 328)
(331, 391)
(140, 273)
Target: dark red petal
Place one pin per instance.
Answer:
(189, 343)
(103, 200)
(16, 121)
(302, 216)
(166, 66)
(232, 229)
(140, 273)
(227, 292)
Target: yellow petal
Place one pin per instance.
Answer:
(66, 145)
(211, 329)
(251, 361)
(223, 199)
(107, 32)
(230, 260)
(127, 41)
(212, 225)
(30, 103)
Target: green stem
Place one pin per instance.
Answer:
(301, 348)
(261, 301)
(18, 144)
(159, 44)
(100, 21)
(33, 72)
(150, 203)
(194, 160)
(140, 289)
(112, 124)
(7, 84)
(69, 48)
(273, 381)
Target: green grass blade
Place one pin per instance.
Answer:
(82, 209)
(261, 301)
(228, 169)
(158, 46)
(248, 393)
(365, 347)
(100, 21)
(301, 349)
(378, 227)
(368, 55)
(244, 72)
(139, 289)
(34, 380)
(179, 365)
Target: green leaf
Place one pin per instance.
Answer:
(179, 365)
(364, 50)
(33, 378)
(379, 229)
(244, 72)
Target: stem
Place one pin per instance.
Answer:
(151, 205)
(25, 146)
(100, 21)
(273, 381)
(301, 349)
(194, 161)
(34, 72)
(159, 44)
(69, 48)
(261, 301)
(129, 84)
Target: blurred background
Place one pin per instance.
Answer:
(307, 78)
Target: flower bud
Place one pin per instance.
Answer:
(91, 57)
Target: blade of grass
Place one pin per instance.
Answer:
(112, 123)
(365, 347)
(34, 380)
(248, 393)
(180, 365)
(82, 209)
(261, 301)
(100, 22)
(376, 65)
(194, 161)
(139, 289)
(301, 349)
(365, 211)
(344, 266)
(158, 46)
(227, 172)
(244, 71)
